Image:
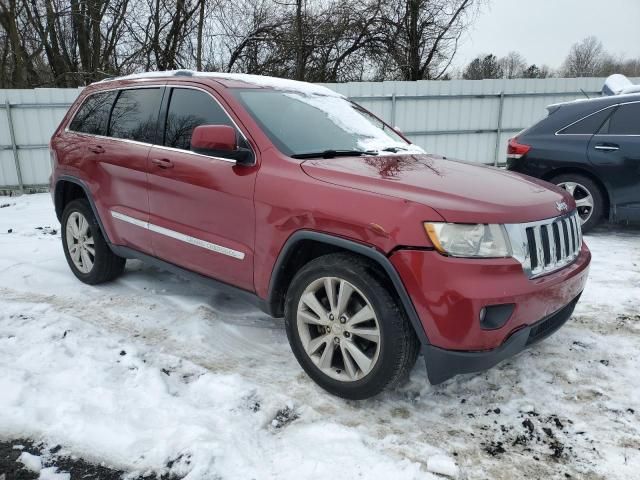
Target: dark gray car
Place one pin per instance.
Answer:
(592, 149)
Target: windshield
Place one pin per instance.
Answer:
(301, 124)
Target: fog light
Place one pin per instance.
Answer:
(493, 317)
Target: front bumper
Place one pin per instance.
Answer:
(443, 364)
(449, 295)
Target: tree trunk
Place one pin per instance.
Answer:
(300, 57)
(413, 37)
(200, 32)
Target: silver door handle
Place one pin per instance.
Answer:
(606, 148)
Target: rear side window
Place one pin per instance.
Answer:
(625, 121)
(589, 125)
(188, 109)
(93, 115)
(135, 115)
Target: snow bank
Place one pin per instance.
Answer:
(156, 373)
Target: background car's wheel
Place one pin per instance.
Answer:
(587, 195)
(87, 253)
(346, 328)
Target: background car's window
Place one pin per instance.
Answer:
(135, 115)
(188, 109)
(625, 121)
(93, 115)
(589, 125)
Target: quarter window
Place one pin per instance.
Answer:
(93, 115)
(135, 115)
(589, 125)
(625, 121)
(187, 110)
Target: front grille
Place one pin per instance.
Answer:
(548, 245)
(553, 244)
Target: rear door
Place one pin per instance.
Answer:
(201, 207)
(121, 169)
(615, 150)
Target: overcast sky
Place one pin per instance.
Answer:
(544, 30)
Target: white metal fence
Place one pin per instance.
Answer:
(464, 119)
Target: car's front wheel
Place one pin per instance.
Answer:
(87, 252)
(346, 329)
(588, 197)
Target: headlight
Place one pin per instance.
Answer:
(462, 240)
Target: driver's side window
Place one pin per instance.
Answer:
(189, 109)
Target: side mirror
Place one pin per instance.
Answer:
(220, 141)
(213, 137)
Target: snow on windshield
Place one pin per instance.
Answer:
(345, 116)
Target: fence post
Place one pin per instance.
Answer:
(393, 111)
(14, 146)
(498, 130)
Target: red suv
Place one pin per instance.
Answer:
(317, 211)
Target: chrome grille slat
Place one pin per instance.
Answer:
(572, 235)
(560, 246)
(563, 245)
(576, 230)
(539, 250)
(552, 246)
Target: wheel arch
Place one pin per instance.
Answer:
(306, 245)
(70, 188)
(608, 204)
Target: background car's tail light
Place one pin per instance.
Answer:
(515, 149)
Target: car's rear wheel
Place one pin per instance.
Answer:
(346, 329)
(87, 253)
(588, 197)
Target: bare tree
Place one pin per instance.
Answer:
(74, 42)
(421, 36)
(584, 59)
(22, 71)
(512, 65)
(610, 64)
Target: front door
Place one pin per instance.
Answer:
(201, 212)
(615, 151)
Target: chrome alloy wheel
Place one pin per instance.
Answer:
(338, 329)
(583, 198)
(80, 242)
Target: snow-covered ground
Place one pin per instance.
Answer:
(155, 373)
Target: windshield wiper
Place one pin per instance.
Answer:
(394, 149)
(334, 153)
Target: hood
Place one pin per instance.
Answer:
(459, 191)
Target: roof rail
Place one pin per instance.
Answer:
(166, 73)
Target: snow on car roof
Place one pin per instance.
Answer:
(615, 85)
(257, 80)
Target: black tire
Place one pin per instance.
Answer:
(594, 190)
(399, 345)
(106, 265)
